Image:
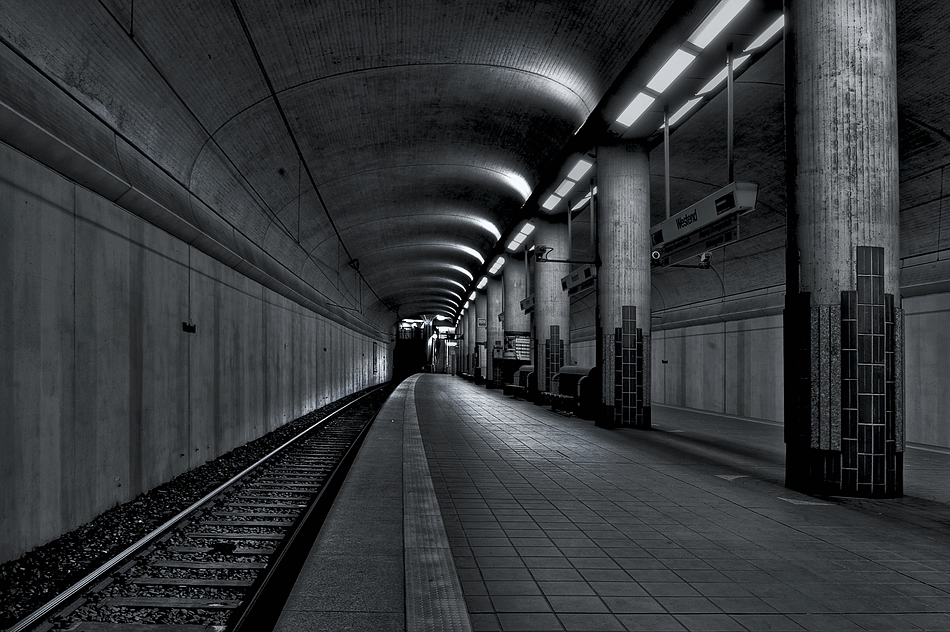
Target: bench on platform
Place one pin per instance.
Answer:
(576, 389)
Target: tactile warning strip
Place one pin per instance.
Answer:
(434, 599)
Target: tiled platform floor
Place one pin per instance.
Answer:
(558, 525)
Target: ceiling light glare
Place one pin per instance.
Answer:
(518, 183)
(495, 267)
(452, 266)
(482, 282)
(714, 82)
(564, 188)
(716, 22)
(683, 111)
(551, 202)
(489, 226)
(672, 69)
(472, 252)
(636, 108)
(580, 170)
(770, 32)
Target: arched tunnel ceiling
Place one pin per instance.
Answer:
(382, 149)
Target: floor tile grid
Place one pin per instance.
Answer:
(507, 520)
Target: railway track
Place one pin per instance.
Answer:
(227, 562)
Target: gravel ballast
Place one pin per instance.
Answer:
(41, 574)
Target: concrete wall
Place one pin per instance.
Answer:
(927, 369)
(102, 394)
(751, 352)
(732, 367)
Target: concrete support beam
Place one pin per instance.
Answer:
(623, 228)
(494, 340)
(480, 310)
(843, 317)
(552, 306)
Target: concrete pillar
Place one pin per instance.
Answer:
(470, 345)
(517, 324)
(844, 412)
(480, 305)
(622, 208)
(459, 344)
(494, 340)
(552, 306)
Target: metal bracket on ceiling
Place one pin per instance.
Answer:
(354, 263)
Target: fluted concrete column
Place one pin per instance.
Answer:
(494, 340)
(472, 348)
(552, 306)
(460, 345)
(843, 319)
(480, 311)
(623, 283)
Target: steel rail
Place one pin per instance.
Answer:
(265, 602)
(60, 599)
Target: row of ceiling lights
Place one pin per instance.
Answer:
(714, 24)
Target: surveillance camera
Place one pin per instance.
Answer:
(705, 258)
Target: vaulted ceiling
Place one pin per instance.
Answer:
(371, 156)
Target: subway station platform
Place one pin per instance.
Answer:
(517, 518)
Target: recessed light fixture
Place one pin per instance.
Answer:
(636, 108)
(716, 22)
(672, 69)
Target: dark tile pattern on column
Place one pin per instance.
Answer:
(628, 371)
(553, 356)
(869, 446)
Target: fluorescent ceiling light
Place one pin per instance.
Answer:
(716, 22)
(516, 241)
(495, 267)
(584, 200)
(672, 69)
(713, 83)
(551, 202)
(482, 282)
(471, 297)
(467, 303)
(564, 188)
(637, 107)
(776, 26)
(683, 111)
(580, 169)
